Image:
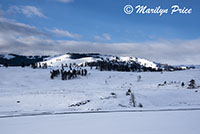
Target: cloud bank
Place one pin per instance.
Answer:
(25, 39)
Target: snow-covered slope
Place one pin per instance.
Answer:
(143, 62)
(32, 90)
(66, 59)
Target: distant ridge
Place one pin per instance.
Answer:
(91, 58)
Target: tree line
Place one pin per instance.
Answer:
(68, 74)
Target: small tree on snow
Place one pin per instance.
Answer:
(139, 77)
(132, 100)
(182, 84)
(140, 105)
(128, 92)
(191, 84)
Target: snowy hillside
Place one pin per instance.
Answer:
(95, 59)
(103, 101)
(67, 58)
(27, 90)
(143, 62)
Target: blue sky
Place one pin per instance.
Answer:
(70, 23)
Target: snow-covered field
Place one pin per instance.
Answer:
(27, 91)
(178, 122)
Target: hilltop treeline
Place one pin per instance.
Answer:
(116, 65)
(20, 60)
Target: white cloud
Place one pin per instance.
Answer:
(65, 1)
(28, 11)
(104, 36)
(11, 27)
(65, 33)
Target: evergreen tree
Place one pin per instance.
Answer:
(191, 84)
(22, 64)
